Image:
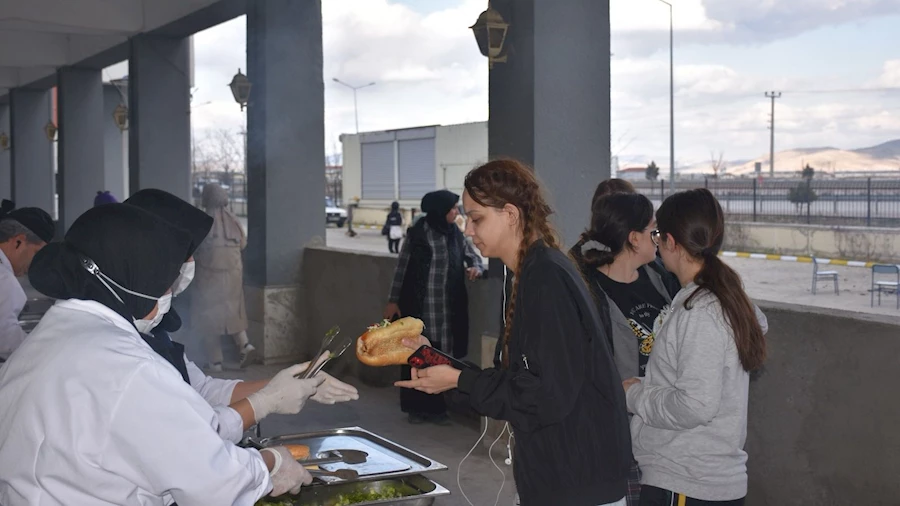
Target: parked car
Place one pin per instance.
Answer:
(334, 214)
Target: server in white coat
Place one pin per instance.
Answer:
(237, 403)
(91, 413)
(23, 232)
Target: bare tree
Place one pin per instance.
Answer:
(718, 164)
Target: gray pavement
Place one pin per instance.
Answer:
(378, 410)
(772, 281)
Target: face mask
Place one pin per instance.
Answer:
(143, 326)
(164, 304)
(184, 279)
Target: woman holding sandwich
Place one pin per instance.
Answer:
(557, 385)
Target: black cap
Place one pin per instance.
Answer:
(34, 219)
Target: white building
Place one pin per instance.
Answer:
(403, 165)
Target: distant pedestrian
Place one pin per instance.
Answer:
(393, 228)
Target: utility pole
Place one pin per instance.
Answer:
(773, 95)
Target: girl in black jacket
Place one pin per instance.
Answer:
(557, 384)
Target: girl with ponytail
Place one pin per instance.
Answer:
(690, 410)
(557, 385)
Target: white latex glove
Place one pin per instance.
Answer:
(287, 474)
(284, 394)
(333, 390)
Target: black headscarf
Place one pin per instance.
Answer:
(34, 219)
(134, 248)
(183, 215)
(175, 211)
(437, 204)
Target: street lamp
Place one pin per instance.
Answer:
(490, 34)
(240, 87)
(354, 88)
(120, 116)
(671, 99)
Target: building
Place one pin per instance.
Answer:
(403, 165)
(632, 172)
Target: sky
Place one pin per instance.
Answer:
(835, 61)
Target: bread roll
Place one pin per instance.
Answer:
(299, 452)
(382, 345)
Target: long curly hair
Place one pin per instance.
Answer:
(506, 181)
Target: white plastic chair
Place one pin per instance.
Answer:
(885, 286)
(823, 275)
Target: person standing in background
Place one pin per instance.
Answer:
(23, 232)
(430, 284)
(218, 305)
(393, 228)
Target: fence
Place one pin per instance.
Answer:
(857, 202)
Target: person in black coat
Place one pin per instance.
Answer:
(557, 384)
(430, 284)
(393, 228)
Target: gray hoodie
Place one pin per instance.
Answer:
(690, 409)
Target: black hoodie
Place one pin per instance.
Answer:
(561, 393)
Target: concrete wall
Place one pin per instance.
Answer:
(459, 149)
(823, 414)
(850, 243)
(5, 163)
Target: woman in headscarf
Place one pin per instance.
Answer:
(393, 228)
(430, 284)
(219, 278)
(236, 402)
(93, 415)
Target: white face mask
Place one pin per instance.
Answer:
(184, 279)
(163, 306)
(164, 303)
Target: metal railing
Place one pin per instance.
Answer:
(868, 202)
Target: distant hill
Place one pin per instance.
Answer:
(883, 157)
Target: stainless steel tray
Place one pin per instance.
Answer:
(419, 491)
(386, 459)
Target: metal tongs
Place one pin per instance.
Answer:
(330, 349)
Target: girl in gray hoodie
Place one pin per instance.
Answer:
(690, 409)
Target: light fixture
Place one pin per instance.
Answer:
(490, 34)
(240, 87)
(4, 141)
(120, 116)
(50, 129)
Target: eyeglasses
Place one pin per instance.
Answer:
(654, 236)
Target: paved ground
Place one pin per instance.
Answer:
(378, 410)
(767, 280)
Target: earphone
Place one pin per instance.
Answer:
(506, 429)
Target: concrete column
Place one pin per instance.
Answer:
(33, 179)
(81, 126)
(115, 144)
(549, 107)
(160, 123)
(5, 167)
(286, 178)
(549, 103)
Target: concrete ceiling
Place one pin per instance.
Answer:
(39, 36)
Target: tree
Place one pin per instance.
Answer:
(652, 173)
(808, 172)
(718, 164)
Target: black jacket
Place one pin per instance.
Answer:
(561, 394)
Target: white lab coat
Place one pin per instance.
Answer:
(217, 392)
(12, 301)
(91, 415)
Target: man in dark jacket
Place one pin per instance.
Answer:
(430, 284)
